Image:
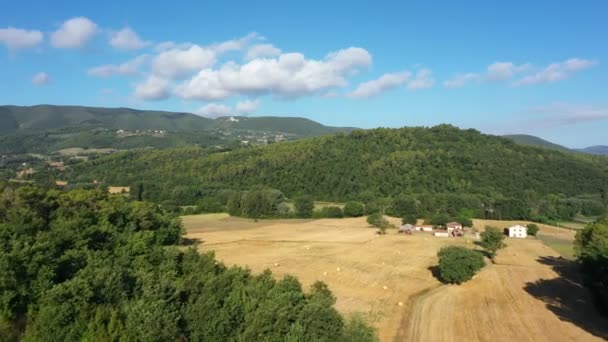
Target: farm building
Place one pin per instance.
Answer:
(454, 225)
(441, 233)
(425, 228)
(406, 228)
(518, 231)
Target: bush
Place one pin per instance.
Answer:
(304, 206)
(372, 208)
(458, 264)
(332, 212)
(492, 240)
(532, 229)
(354, 209)
(410, 219)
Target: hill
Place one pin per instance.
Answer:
(598, 150)
(46, 128)
(531, 140)
(365, 163)
(47, 117)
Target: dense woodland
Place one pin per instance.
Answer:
(87, 266)
(439, 169)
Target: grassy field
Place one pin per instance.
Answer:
(388, 278)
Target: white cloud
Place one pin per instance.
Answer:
(128, 68)
(74, 33)
(214, 110)
(153, 88)
(41, 79)
(17, 39)
(247, 106)
(288, 75)
(179, 62)
(262, 51)
(564, 114)
(380, 85)
(234, 44)
(127, 39)
(503, 71)
(556, 71)
(461, 80)
(423, 80)
(176, 61)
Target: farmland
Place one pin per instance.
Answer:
(388, 279)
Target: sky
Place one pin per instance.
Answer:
(529, 67)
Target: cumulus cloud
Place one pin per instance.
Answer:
(176, 61)
(262, 51)
(423, 80)
(179, 62)
(247, 106)
(556, 71)
(214, 110)
(461, 80)
(18, 39)
(506, 71)
(128, 68)
(380, 85)
(153, 88)
(127, 39)
(289, 75)
(74, 33)
(41, 79)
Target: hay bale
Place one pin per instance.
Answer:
(385, 287)
(400, 303)
(324, 273)
(338, 269)
(276, 264)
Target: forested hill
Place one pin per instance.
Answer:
(531, 140)
(378, 162)
(14, 119)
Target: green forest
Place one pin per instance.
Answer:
(87, 266)
(440, 169)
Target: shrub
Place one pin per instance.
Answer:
(410, 219)
(332, 212)
(532, 229)
(458, 264)
(304, 206)
(354, 209)
(492, 240)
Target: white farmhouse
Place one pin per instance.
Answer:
(518, 231)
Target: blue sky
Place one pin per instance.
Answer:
(534, 67)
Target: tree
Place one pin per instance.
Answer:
(332, 212)
(440, 219)
(458, 264)
(354, 209)
(591, 249)
(409, 219)
(304, 206)
(377, 220)
(532, 229)
(492, 240)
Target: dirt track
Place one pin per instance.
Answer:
(372, 274)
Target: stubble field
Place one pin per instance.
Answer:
(531, 294)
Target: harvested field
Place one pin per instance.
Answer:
(388, 278)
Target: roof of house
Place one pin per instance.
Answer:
(518, 226)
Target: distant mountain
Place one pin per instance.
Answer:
(530, 140)
(15, 119)
(46, 128)
(599, 150)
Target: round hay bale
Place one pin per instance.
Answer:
(276, 264)
(385, 287)
(400, 303)
(324, 273)
(338, 269)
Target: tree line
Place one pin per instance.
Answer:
(85, 265)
